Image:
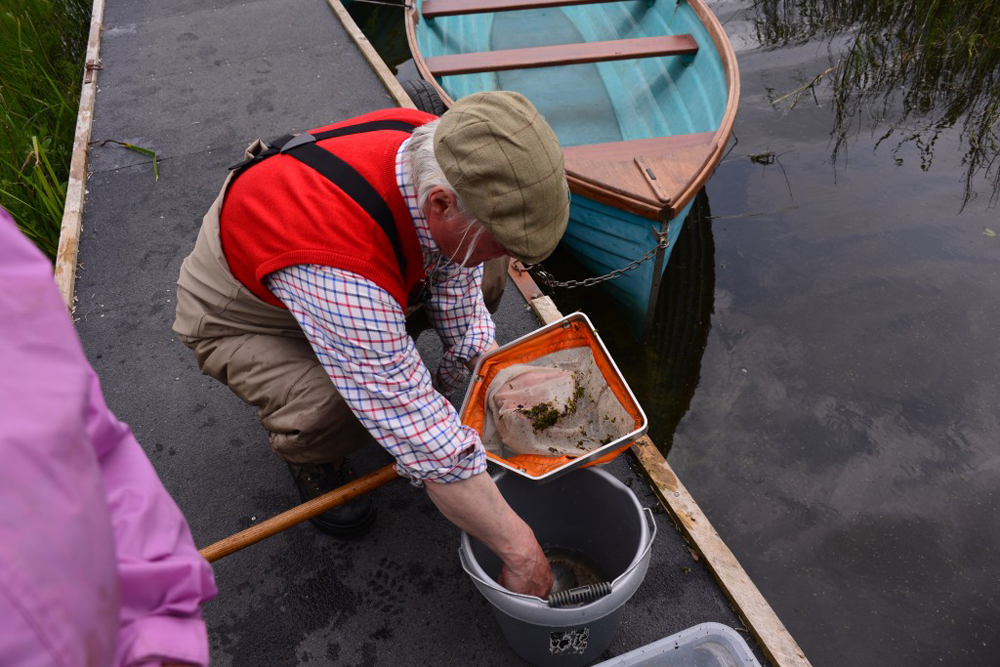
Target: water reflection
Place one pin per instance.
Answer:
(664, 371)
(912, 70)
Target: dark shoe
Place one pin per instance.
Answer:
(352, 518)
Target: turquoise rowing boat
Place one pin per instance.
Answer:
(642, 94)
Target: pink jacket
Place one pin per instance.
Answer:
(97, 565)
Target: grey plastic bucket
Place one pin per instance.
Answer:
(587, 511)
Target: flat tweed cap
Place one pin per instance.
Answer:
(505, 163)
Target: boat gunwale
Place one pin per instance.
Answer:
(608, 193)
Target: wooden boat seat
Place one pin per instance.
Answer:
(562, 54)
(434, 8)
(653, 173)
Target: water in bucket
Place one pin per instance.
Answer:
(571, 569)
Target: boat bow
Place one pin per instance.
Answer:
(648, 177)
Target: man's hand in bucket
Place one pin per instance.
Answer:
(476, 506)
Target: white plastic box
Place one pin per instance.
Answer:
(704, 645)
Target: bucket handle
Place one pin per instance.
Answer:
(604, 587)
(579, 595)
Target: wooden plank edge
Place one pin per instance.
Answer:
(371, 55)
(543, 306)
(67, 253)
(748, 602)
(765, 626)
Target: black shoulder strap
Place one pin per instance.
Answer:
(354, 185)
(304, 149)
(370, 126)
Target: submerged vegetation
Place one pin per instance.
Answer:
(914, 69)
(42, 48)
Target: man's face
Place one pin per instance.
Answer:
(463, 244)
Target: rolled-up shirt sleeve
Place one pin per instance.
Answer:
(457, 312)
(358, 332)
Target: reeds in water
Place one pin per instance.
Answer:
(42, 49)
(917, 66)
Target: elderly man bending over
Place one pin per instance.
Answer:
(319, 252)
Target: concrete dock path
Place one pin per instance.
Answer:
(195, 81)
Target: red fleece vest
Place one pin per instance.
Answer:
(281, 212)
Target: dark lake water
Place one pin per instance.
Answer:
(825, 374)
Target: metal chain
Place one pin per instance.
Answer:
(549, 280)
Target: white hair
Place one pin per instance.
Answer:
(425, 170)
(427, 175)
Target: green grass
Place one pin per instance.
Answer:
(42, 49)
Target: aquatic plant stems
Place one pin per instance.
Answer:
(913, 69)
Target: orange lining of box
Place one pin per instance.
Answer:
(559, 338)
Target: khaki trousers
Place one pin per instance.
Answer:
(261, 354)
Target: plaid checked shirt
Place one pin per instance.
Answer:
(358, 332)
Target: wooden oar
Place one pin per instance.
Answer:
(297, 515)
